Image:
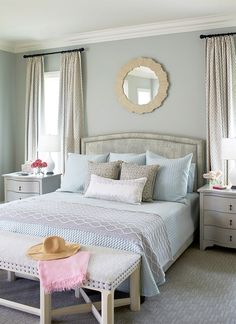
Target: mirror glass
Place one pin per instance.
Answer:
(141, 85)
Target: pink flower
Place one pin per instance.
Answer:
(34, 165)
(39, 164)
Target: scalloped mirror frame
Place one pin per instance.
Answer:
(162, 91)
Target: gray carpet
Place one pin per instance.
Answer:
(200, 288)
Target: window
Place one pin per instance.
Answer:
(144, 96)
(51, 94)
(49, 121)
(126, 88)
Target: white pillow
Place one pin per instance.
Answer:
(76, 171)
(129, 191)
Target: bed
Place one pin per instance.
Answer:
(160, 231)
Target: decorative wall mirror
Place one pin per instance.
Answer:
(142, 85)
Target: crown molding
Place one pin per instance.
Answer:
(128, 32)
(7, 46)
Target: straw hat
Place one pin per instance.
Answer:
(52, 248)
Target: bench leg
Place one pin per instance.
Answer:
(11, 276)
(45, 307)
(107, 307)
(135, 290)
(77, 293)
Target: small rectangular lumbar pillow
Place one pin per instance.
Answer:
(139, 159)
(134, 171)
(172, 178)
(77, 169)
(129, 191)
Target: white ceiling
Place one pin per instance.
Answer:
(27, 23)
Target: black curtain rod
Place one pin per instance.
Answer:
(59, 52)
(214, 35)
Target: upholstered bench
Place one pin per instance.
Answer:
(107, 269)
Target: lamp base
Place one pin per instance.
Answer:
(49, 173)
(232, 175)
(51, 164)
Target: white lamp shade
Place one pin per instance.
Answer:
(49, 143)
(228, 149)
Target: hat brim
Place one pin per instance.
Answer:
(36, 252)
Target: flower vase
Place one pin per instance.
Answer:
(213, 182)
(210, 183)
(38, 172)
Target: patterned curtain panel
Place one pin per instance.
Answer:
(34, 104)
(71, 111)
(220, 96)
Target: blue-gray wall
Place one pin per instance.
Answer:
(182, 113)
(7, 115)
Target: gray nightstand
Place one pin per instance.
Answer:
(17, 186)
(217, 217)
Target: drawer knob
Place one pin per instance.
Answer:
(230, 207)
(19, 188)
(230, 222)
(230, 238)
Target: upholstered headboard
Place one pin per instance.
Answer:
(166, 145)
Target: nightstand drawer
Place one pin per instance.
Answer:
(220, 235)
(220, 204)
(17, 186)
(215, 218)
(23, 186)
(11, 195)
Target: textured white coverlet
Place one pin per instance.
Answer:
(65, 215)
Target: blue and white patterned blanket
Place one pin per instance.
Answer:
(139, 232)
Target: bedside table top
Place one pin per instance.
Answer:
(29, 176)
(209, 189)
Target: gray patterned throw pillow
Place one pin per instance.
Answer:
(134, 171)
(106, 170)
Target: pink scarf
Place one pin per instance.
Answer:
(63, 274)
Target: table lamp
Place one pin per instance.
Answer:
(49, 143)
(229, 153)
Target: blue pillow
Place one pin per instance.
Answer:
(191, 177)
(139, 159)
(172, 177)
(192, 172)
(76, 171)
